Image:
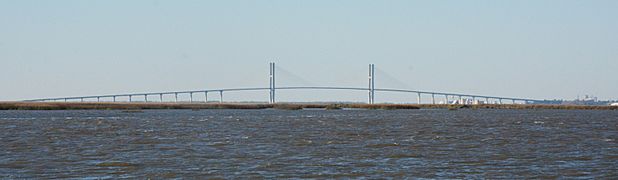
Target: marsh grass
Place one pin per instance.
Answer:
(333, 107)
(288, 106)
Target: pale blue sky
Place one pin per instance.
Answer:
(533, 49)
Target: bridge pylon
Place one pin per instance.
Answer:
(372, 84)
(272, 83)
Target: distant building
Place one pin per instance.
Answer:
(467, 101)
(587, 100)
(613, 104)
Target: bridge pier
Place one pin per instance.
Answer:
(145, 97)
(175, 97)
(206, 96)
(161, 97)
(433, 98)
(446, 97)
(130, 98)
(191, 97)
(114, 98)
(98, 99)
(220, 96)
(418, 98)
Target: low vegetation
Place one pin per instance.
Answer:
(333, 107)
(288, 106)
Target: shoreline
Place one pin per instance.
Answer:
(286, 106)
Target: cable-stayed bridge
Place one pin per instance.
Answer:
(451, 98)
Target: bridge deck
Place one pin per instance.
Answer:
(284, 88)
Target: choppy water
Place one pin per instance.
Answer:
(309, 144)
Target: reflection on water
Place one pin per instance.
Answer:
(309, 144)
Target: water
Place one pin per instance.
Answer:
(309, 144)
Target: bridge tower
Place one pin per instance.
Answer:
(371, 88)
(272, 83)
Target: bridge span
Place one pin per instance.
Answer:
(457, 98)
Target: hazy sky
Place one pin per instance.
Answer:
(533, 49)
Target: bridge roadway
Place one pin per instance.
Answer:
(221, 91)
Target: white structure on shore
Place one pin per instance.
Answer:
(468, 101)
(613, 104)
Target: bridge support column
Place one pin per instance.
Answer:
(371, 84)
(205, 96)
(433, 98)
(500, 101)
(114, 98)
(161, 97)
(418, 98)
(130, 98)
(98, 99)
(145, 97)
(175, 97)
(220, 96)
(191, 97)
(446, 98)
(65, 99)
